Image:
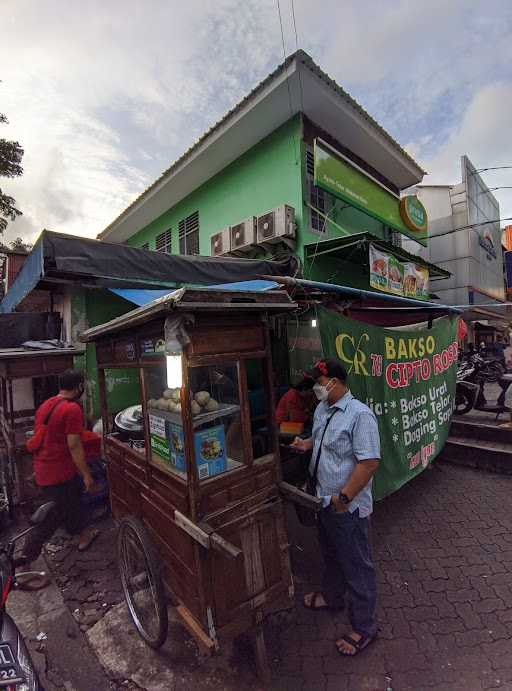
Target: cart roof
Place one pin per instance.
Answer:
(196, 300)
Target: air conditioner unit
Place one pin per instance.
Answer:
(276, 225)
(219, 243)
(243, 235)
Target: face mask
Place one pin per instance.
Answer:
(321, 392)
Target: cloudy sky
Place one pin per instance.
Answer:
(105, 94)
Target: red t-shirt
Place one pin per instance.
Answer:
(292, 408)
(53, 463)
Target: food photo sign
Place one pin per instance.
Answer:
(408, 378)
(390, 275)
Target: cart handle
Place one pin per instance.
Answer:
(297, 496)
(206, 536)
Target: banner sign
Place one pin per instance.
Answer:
(338, 175)
(390, 275)
(508, 269)
(407, 377)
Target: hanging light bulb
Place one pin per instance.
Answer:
(174, 372)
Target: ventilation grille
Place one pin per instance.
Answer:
(163, 242)
(310, 164)
(188, 232)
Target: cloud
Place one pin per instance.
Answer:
(483, 136)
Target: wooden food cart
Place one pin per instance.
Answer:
(27, 378)
(199, 501)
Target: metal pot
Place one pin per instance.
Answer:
(129, 422)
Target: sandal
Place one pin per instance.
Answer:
(93, 534)
(358, 646)
(313, 603)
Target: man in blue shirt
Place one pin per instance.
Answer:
(346, 444)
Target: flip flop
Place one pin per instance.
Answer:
(93, 534)
(359, 645)
(315, 607)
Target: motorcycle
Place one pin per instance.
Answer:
(17, 671)
(473, 373)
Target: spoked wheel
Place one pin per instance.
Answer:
(141, 581)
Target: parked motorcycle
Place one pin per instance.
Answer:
(17, 671)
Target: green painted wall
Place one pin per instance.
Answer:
(265, 177)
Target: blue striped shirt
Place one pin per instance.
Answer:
(352, 436)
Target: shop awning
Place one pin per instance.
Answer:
(58, 259)
(354, 248)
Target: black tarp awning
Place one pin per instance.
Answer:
(57, 257)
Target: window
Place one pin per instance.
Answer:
(188, 231)
(145, 246)
(163, 242)
(318, 198)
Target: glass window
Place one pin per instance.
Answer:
(216, 418)
(124, 409)
(262, 440)
(167, 445)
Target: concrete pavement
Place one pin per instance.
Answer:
(443, 548)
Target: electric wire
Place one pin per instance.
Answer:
(297, 49)
(287, 79)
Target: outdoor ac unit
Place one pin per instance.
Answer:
(243, 235)
(219, 243)
(276, 225)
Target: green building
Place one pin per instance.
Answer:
(247, 187)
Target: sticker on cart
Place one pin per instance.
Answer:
(210, 448)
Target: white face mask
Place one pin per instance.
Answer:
(322, 392)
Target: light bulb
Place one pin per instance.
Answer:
(174, 373)
(313, 323)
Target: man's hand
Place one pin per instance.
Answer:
(302, 444)
(89, 483)
(338, 505)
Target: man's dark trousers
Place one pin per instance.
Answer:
(349, 570)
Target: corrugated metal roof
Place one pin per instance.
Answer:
(306, 60)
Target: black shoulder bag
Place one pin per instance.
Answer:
(308, 517)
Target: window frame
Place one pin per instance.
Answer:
(187, 227)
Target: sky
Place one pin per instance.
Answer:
(104, 96)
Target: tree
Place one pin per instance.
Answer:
(19, 245)
(11, 154)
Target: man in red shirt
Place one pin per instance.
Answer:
(296, 404)
(58, 464)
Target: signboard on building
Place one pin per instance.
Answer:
(390, 275)
(344, 179)
(408, 379)
(508, 271)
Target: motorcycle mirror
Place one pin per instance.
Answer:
(42, 513)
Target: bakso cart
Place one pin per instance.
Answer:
(199, 497)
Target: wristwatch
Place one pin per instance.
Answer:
(344, 499)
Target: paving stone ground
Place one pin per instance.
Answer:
(443, 549)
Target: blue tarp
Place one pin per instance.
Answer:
(26, 280)
(139, 297)
(143, 297)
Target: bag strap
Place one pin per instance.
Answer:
(319, 452)
(49, 414)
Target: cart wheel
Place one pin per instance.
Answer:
(142, 585)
